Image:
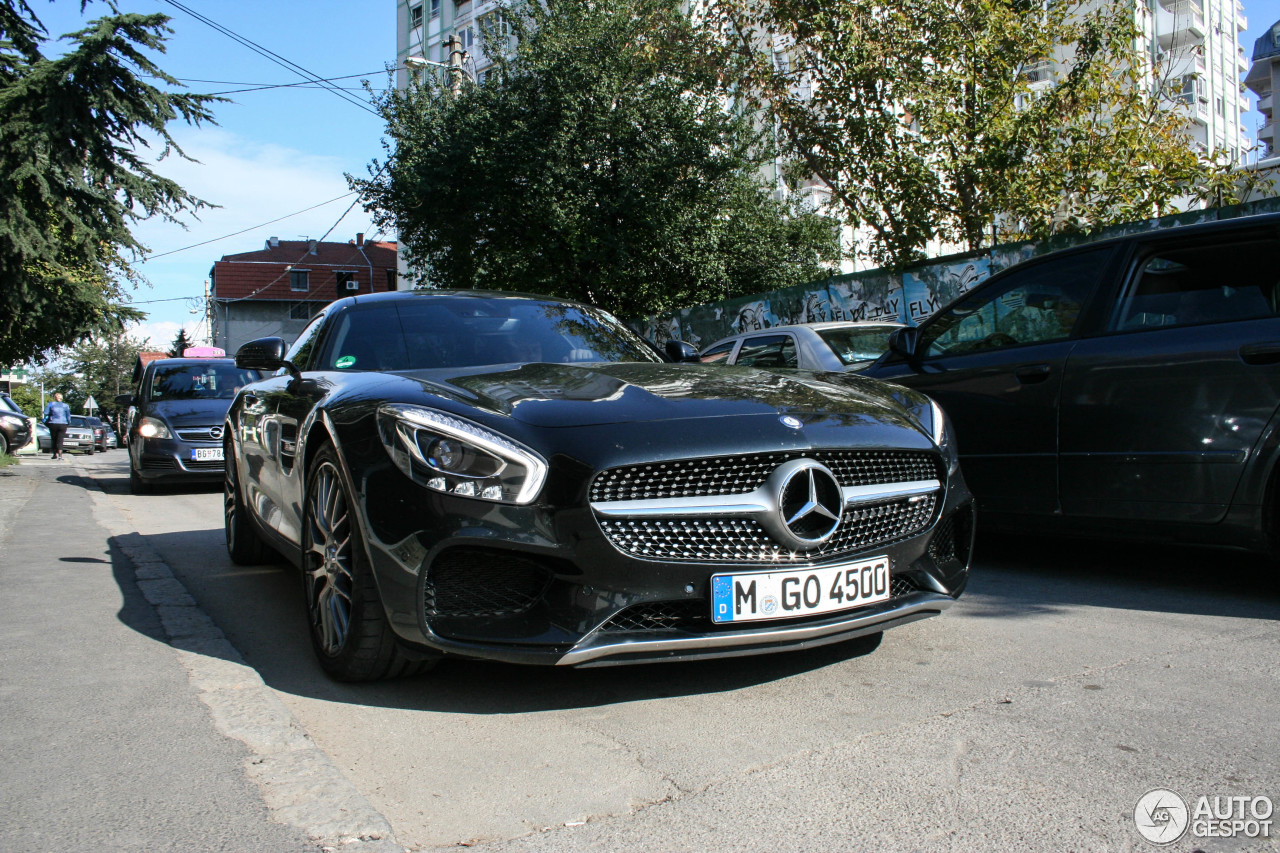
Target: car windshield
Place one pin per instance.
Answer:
(856, 345)
(447, 331)
(79, 421)
(199, 382)
(7, 403)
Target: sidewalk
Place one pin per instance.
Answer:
(106, 746)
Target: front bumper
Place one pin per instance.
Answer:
(540, 585)
(164, 459)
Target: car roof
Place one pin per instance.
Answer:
(407, 295)
(171, 362)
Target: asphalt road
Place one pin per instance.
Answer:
(1071, 679)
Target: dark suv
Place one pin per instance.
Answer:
(175, 432)
(15, 427)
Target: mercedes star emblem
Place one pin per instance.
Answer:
(810, 504)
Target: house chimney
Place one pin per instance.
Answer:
(360, 239)
(311, 246)
(273, 242)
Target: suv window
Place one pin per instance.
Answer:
(6, 402)
(1038, 304)
(1180, 286)
(768, 351)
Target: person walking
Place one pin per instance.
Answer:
(57, 416)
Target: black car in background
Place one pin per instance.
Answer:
(178, 409)
(523, 479)
(15, 427)
(1126, 388)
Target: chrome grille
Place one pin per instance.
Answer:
(718, 540)
(727, 475)
(200, 434)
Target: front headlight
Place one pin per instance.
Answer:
(449, 454)
(152, 428)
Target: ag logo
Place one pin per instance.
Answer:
(1161, 816)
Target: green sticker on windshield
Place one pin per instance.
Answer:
(345, 361)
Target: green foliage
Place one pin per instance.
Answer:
(72, 174)
(180, 343)
(597, 163)
(940, 118)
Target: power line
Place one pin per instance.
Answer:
(273, 57)
(255, 227)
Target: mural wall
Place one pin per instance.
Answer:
(905, 297)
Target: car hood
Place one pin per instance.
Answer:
(189, 413)
(566, 395)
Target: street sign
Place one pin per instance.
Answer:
(91, 405)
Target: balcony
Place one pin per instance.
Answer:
(1181, 26)
(1041, 71)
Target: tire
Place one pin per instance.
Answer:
(89, 452)
(243, 542)
(345, 618)
(137, 485)
(4, 445)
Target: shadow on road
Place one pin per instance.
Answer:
(1020, 577)
(260, 609)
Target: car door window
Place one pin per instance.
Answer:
(1196, 285)
(768, 351)
(303, 348)
(1038, 304)
(717, 355)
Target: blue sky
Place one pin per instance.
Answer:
(278, 151)
(273, 152)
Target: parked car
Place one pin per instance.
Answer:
(44, 440)
(176, 431)
(833, 346)
(1128, 387)
(112, 440)
(524, 479)
(79, 436)
(99, 427)
(15, 427)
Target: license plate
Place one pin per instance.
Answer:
(782, 594)
(206, 454)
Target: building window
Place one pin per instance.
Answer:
(435, 9)
(493, 25)
(347, 282)
(300, 280)
(415, 16)
(391, 279)
(302, 310)
(467, 37)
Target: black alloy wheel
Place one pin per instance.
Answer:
(348, 626)
(243, 542)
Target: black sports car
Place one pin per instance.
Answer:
(510, 477)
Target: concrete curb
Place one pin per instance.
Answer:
(300, 785)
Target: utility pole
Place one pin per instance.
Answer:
(454, 46)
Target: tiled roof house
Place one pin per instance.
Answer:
(277, 289)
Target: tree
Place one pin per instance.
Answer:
(102, 367)
(180, 343)
(941, 118)
(597, 163)
(72, 176)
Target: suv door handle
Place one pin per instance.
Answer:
(1267, 352)
(1032, 373)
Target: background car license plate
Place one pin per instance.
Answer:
(753, 596)
(205, 454)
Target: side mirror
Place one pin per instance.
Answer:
(680, 351)
(904, 342)
(263, 354)
(124, 401)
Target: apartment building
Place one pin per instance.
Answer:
(1264, 79)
